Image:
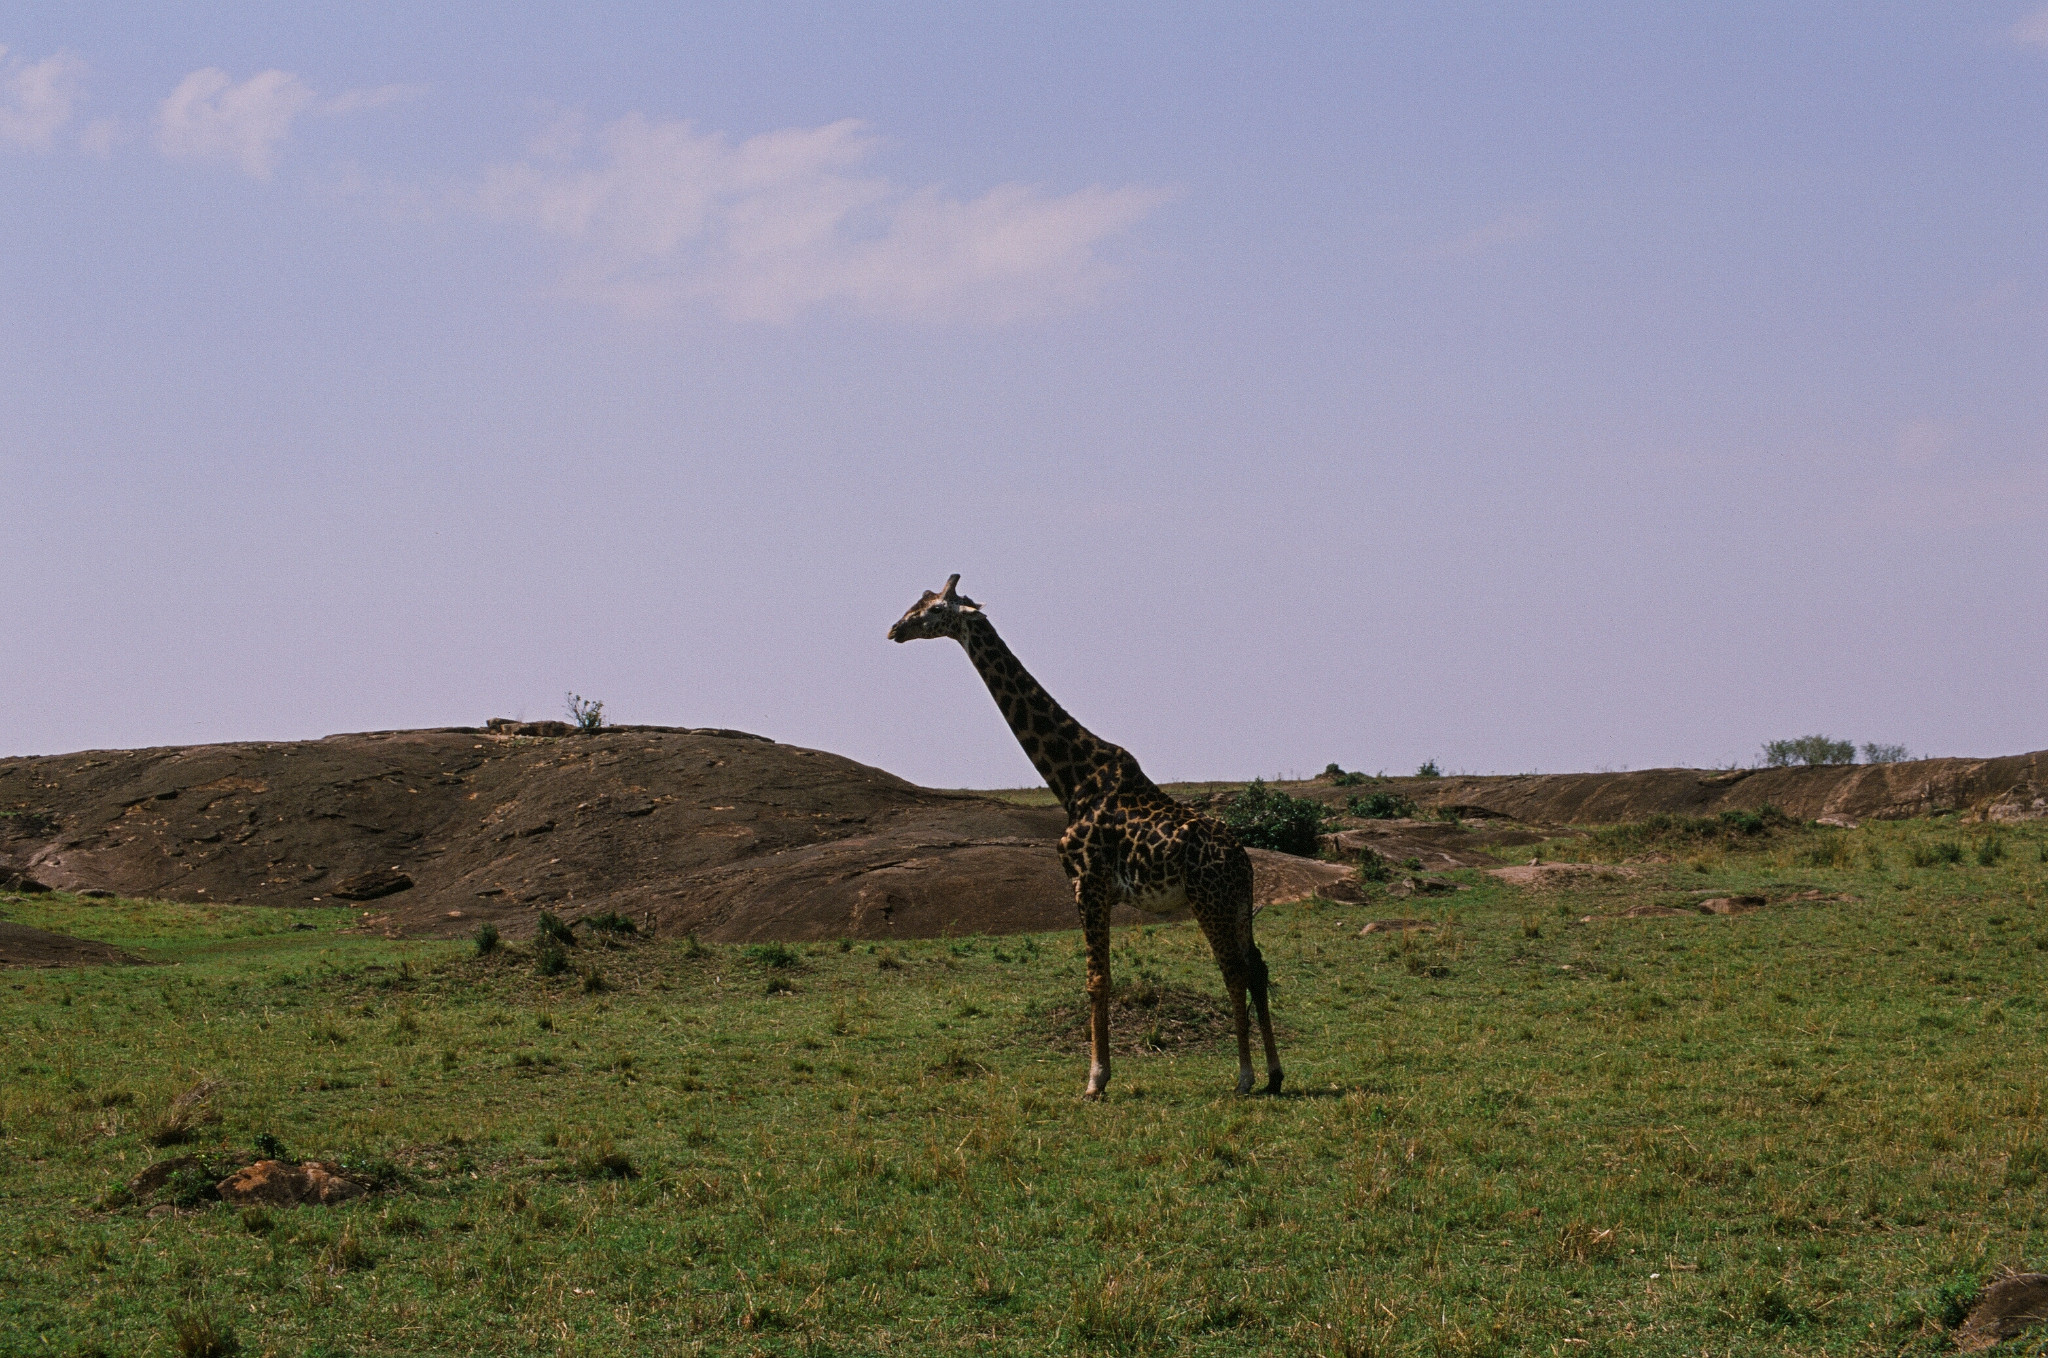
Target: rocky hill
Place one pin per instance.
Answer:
(735, 837)
(725, 834)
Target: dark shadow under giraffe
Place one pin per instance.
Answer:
(1125, 841)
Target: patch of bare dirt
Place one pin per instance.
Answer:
(2008, 1307)
(1437, 845)
(1545, 876)
(720, 833)
(1144, 1019)
(21, 946)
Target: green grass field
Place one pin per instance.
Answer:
(1810, 1129)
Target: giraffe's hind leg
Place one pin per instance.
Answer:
(1274, 1075)
(1244, 972)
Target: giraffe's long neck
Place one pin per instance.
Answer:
(1064, 752)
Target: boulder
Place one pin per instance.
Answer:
(506, 726)
(15, 880)
(2021, 802)
(369, 886)
(274, 1183)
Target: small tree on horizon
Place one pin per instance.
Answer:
(1808, 750)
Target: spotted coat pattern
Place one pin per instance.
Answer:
(1126, 841)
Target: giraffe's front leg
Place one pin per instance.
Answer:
(1095, 928)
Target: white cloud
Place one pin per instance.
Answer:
(2032, 31)
(209, 117)
(1503, 230)
(384, 96)
(37, 99)
(775, 224)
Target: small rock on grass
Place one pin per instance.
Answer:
(274, 1183)
(1395, 926)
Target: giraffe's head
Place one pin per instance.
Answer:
(937, 614)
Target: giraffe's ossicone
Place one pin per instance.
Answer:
(1126, 841)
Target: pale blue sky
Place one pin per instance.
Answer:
(1531, 387)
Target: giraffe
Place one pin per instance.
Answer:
(1125, 839)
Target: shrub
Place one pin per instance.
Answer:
(1428, 769)
(269, 1147)
(1829, 853)
(549, 928)
(1340, 778)
(1947, 851)
(1381, 806)
(550, 958)
(610, 922)
(1885, 754)
(189, 1187)
(1809, 750)
(1760, 821)
(588, 716)
(1264, 819)
(593, 981)
(1951, 1299)
(1989, 851)
(776, 956)
(1664, 831)
(349, 1252)
(1773, 1305)
(606, 1161)
(486, 939)
(200, 1334)
(1373, 866)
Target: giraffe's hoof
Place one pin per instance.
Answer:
(1244, 1081)
(1091, 1095)
(1273, 1082)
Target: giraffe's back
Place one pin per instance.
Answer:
(1158, 855)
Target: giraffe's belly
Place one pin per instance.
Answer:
(1156, 900)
